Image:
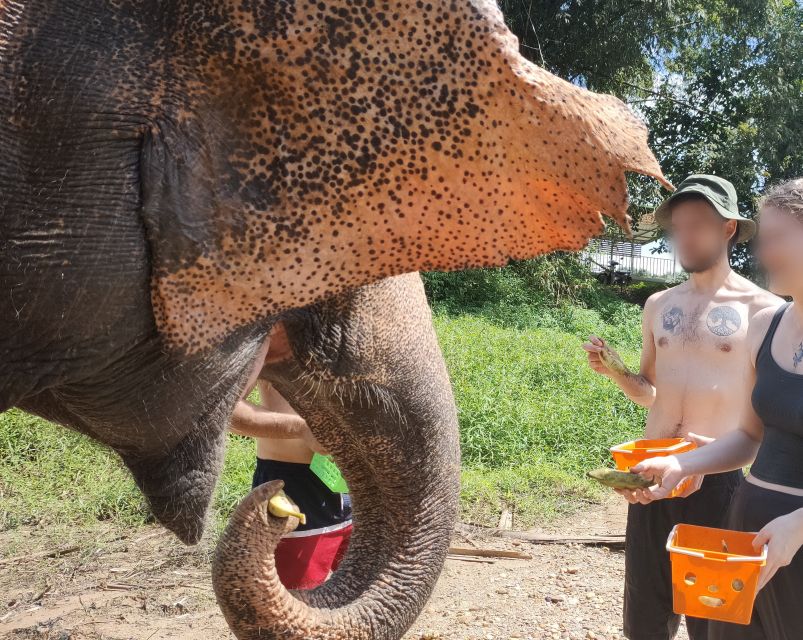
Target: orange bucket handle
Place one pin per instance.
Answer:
(622, 448)
(671, 548)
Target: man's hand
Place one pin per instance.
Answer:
(593, 348)
(312, 442)
(784, 537)
(700, 441)
(258, 422)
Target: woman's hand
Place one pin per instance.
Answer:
(666, 472)
(784, 537)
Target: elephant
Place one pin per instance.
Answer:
(179, 178)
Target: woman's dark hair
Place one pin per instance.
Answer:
(786, 196)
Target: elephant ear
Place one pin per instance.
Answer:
(447, 150)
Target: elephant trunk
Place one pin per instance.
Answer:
(403, 522)
(367, 375)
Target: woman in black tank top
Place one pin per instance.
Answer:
(770, 437)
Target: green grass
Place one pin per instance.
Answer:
(533, 416)
(53, 478)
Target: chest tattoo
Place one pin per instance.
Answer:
(673, 319)
(798, 357)
(723, 321)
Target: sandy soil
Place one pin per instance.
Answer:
(146, 586)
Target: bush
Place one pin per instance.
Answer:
(638, 292)
(549, 281)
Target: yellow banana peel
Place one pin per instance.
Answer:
(282, 507)
(613, 361)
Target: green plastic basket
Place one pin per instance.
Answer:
(325, 468)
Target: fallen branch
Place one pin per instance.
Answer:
(468, 559)
(178, 585)
(614, 542)
(489, 553)
(41, 594)
(117, 586)
(43, 554)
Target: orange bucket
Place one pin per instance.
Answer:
(714, 572)
(631, 453)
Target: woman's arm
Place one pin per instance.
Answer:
(734, 450)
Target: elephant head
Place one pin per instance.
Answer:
(177, 178)
(329, 143)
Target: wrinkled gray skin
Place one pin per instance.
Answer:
(87, 199)
(177, 175)
(368, 376)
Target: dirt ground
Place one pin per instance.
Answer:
(147, 586)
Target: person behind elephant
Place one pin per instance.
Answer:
(694, 351)
(769, 434)
(285, 445)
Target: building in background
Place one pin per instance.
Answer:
(634, 256)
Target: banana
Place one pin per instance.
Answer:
(619, 479)
(613, 361)
(282, 507)
(708, 601)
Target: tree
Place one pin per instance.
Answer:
(730, 98)
(720, 82)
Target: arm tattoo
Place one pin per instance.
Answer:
(723, 321)
(673, 319)
(798, 357)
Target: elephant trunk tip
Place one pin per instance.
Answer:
(281, 506)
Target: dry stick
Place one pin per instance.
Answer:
(490, 553)
(149, 536)
(616, 541)
(176, 585)
(118, 586)
(467, 559)
(67, 550)
(468, 540)
(44, 554)
(41, 594)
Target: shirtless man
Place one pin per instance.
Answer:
(285, 446)
(692, 380)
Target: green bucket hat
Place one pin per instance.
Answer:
(720, 193)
